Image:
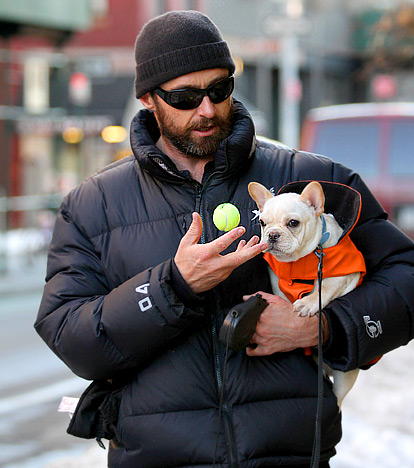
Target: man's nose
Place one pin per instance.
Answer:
(206, 108)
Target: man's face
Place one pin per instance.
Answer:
(195, 132)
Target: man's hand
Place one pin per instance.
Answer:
(280, 329)
(202, 266)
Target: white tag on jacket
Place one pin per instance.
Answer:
(68, 405)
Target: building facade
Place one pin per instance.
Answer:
(60, 89)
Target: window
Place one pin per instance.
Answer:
(352, 143)
(402, 148)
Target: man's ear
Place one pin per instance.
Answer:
(147, 101)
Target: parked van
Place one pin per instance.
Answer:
(377, 141)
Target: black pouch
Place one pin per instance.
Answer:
(96, 413)
(240, 323)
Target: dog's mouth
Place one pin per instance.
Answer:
(272, 247)
(278, 249)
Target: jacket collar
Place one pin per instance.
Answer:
(232, 153)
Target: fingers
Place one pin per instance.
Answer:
(245, 250)
(242, 243)
(249, 252)
(258, 351)
(217, 246)
(260, 347)
(221, 243)
(250, 248)
(253, 241)
(192, 236)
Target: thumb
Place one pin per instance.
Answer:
(192, 236)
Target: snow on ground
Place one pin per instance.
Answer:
(24, 241)
(94, 457)
(378, 415)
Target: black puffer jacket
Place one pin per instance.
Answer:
(115, 306)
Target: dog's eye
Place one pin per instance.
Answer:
(293, 223)
(263, 224)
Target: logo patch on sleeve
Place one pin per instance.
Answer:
(374, 329)
(144, 303)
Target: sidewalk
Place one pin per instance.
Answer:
(94, 457)
(24, 274)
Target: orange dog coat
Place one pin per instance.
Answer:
(298, 278)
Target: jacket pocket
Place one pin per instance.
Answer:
(96, 414)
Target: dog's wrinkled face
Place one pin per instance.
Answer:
(290, 222)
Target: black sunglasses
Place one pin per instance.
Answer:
(191, 98)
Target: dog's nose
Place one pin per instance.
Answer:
(273, 237)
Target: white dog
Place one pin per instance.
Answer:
(294, 225)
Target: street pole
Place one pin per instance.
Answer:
(3, 231)
(4, 155)
(264, 89)
(290, 91)
(288, 29)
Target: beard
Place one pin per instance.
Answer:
(192, 145)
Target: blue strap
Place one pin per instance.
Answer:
(325, 234)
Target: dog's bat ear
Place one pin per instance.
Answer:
(313, 195)
(259, 193)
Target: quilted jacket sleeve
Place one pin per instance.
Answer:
(99, 332)
(378, 316)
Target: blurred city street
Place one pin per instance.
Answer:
(378, 414)
(33, 379)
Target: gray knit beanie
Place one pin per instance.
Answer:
(177, 43)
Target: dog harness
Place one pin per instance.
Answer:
(296, 279)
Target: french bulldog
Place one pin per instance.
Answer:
(294, 225)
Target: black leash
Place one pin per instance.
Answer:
(316, 451)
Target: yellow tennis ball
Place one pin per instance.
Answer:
(226, 217)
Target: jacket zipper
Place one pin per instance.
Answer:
(199, 210)
(225, 412)
(217, 367)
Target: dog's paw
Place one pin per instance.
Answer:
(305, 307)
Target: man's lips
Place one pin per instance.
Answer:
(205, 131)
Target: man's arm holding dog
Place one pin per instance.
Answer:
(280, 329)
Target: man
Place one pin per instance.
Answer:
(139, 280)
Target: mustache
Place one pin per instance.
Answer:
(204, 123)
